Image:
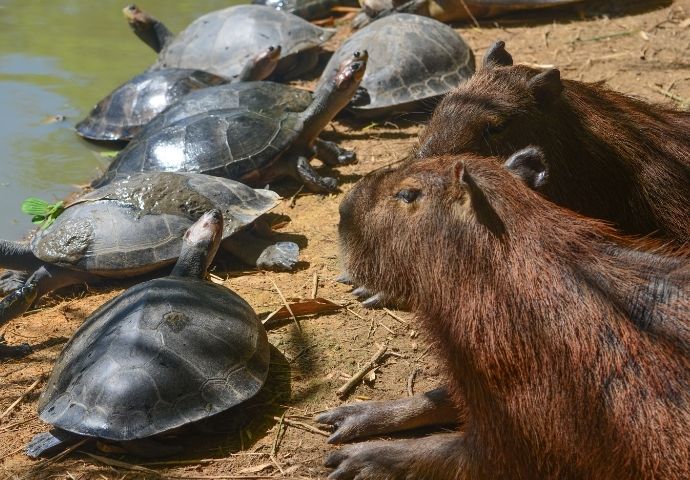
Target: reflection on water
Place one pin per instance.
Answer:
(58, 58)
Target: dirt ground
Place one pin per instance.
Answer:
(642, 49)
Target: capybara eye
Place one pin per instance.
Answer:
(494, 128)
(408, 195)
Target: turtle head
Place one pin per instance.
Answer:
(199, 245)
(152, 32)
(262, 65)
(351, 72)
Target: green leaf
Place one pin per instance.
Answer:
(42, 212)
(35, 206)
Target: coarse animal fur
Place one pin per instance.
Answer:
(568, 344)
(610, 156)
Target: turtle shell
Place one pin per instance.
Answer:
(223, 41)
(411, 58)
(257, 96)
(233, 143)
(162, 354)
(129, 107)
(135, 225)
(307, 9)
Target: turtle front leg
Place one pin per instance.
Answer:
(264, 254)
(312, 180)
(42, 281)
(331, 154)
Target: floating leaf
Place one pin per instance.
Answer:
(35, 206)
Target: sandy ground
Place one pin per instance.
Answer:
(642, 49)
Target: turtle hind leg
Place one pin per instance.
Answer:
(49, 443)
(331, 154)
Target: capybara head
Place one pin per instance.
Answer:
(496, 112)
(405, 226)
(610, 156)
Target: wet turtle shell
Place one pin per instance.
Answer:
(121, 114)
(257, 96)
(221, 42)
(135, 225)
(234, 143)
(307, 9)
(411, 59)
(165, 353)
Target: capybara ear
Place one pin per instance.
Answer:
(530, 165)
(497, 56)
(546, 86)
(484, 211)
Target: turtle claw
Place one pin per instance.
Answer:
(282, 256)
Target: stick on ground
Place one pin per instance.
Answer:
(357, 377)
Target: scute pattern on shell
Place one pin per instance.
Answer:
(233, 143)
(165, 353)
(411, 58)
(223, 41)
(129, 107)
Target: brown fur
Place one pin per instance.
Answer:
(610, 156)
(569, 346)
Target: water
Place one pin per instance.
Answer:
(58, 58)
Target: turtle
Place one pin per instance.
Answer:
(121, 114)
(254, 146)
(221, 41)
(134, 226)
(449, 10)
(255, 96)
(163, 354)
(307, 9)
(413, 59)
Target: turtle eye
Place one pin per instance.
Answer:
(494, 128)
(408, 195)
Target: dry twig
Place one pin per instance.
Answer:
(357, 377)
(287, 305)
(21, 397)
(303, 426)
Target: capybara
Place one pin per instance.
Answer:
(567, 344)
(610, 156)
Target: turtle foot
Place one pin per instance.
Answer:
(11, 280)
(17, 302)
(46, 444)
(281, 256)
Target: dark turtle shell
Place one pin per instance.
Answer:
(307, 9)
(135, 225)
(164, 353)
(232, 143)
(257, 96)
(411, 59)
(129, 107)
(222, 41)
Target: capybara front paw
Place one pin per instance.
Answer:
(350, 422)
(380, 460)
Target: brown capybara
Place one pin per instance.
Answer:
(568, 345)
(609, 155)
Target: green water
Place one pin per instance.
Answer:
(58, 58)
